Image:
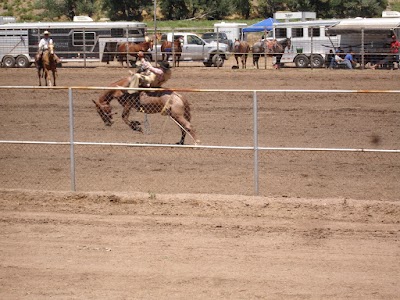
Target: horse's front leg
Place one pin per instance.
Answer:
(135, 125)
(54, 77)
(237, 61)
(244, 61)
(40, 77)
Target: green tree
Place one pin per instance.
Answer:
(54, 9)
(242, 7)
(267, 8)
(129, 10)
(174, 9)
(340, 8)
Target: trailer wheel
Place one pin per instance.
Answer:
(9, 61)
(317, 61)
(301, 61)
(22, 62)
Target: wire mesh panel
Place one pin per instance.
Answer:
(297, 148)
(35, 166)
(325, 174)
(328, 120)
(34, 115)
(164, 170)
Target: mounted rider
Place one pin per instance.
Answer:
(43, 46)
(149, 76)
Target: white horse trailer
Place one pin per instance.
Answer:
(310, 42)
(74, 41)
(232, 30)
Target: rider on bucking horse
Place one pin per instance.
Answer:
(149, 76)
(43, 46)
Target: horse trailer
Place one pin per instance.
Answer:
(74, 41)
(310, 42)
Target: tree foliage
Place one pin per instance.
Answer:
(130, 10)
(195, 9)
(242, 7)
(326, 9)
(68, 8)
(210, 9)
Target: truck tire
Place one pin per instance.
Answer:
(9, 61)
(22, 61)
(301, 61)
(317, 61)
(217, 60)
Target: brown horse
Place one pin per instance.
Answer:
(277, 49)
(241, 49)
(257, 50)
(132, 49)
(165, 102)
(48, 64)
(272, 48)
(172, 48)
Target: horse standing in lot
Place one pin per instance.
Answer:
(258, 50)
(241, 49)
(172, 48)
(132, 49)
(270, 47)
(46, 65)
(166, 102)
(277, 49)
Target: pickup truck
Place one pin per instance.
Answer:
(221, 37)
(194, 48)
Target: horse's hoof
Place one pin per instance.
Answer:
(135, 125)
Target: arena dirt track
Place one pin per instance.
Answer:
(116, 245)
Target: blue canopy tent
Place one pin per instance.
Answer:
(261, 26)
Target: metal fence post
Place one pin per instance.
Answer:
(72, 139)
(362, 48)
(255, 126)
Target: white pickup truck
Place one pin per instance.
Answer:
(194, 48)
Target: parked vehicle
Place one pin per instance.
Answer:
(219, 37)
(310, 42)
(74, 41)
(194, 48)
(232, 30)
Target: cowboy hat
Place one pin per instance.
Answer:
(46, 32)
(164, 65)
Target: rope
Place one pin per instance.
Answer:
(146, 125)
(184, 129)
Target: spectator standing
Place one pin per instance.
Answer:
(394, 49)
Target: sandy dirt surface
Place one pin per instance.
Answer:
(325, 226)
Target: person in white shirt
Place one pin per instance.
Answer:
(44, 45)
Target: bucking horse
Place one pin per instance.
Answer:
(166, 102)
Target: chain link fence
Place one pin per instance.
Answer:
(271, 143)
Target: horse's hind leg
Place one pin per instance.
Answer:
(186, 127)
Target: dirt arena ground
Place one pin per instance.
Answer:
(108, 244)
